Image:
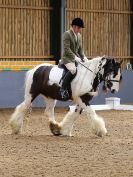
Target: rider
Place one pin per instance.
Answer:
(72, 52)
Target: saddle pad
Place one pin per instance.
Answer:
(55, 75)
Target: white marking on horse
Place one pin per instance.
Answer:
(55, 75)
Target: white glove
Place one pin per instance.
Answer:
(85, 59)
(77, 59)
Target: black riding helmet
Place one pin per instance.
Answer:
(78, 22)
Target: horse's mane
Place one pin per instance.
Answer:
(98, 58)
(95, 60)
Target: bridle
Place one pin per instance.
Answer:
(108, 82)
(98, 74)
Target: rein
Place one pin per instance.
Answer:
(97, 74)
(93, 71)
(85, 67)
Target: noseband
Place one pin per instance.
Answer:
(108, 82)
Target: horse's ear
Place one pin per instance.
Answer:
(103, 57)
(110, 60)
(113, 61)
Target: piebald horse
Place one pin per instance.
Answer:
(45, 79)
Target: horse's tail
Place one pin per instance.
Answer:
(28, 81)
(22, 109)
(26, 77)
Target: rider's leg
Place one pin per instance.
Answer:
(67, 79)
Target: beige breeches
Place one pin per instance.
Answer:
(71, 67)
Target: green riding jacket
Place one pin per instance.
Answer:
(71, 47)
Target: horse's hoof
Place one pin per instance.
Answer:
(101, 133)
(55, 128)
(16, 129)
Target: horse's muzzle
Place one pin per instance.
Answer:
(113, 91)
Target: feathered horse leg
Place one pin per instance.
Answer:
(17, 117)
(53, 125)
(97, 123)
(66, 125)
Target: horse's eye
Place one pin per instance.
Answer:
(114, 74)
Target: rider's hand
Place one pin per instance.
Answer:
(85, 59)
(77, 59)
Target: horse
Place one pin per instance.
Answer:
(46, 79)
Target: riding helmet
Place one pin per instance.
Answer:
(78, 22)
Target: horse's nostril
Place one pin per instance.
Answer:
(113, 91)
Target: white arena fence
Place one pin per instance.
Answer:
(111, 103)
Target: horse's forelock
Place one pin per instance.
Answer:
(112, 66)
(109, 65)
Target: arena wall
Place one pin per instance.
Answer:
(12, 91)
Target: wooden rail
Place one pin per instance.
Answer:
(27, 57)
(21, 65)
(100, 11)
(117, 57)
(25, 7)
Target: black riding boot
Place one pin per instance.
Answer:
(65, 85)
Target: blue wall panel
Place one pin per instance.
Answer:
(12, 90)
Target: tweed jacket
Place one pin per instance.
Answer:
(71, 47)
